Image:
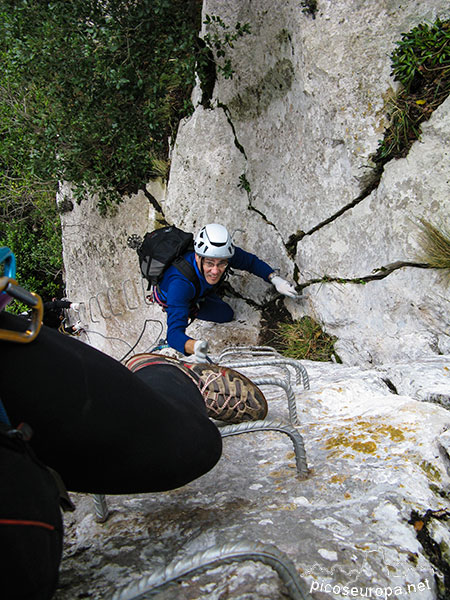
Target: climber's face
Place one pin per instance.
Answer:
(212, 268)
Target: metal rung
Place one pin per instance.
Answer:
(266, 425)
(101, 507)
(300, 371)
(293, 417)
(100, 503)
(256, 363)
(211, 558)
(252, 350)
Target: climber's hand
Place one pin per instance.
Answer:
(283, 287)
(200, 352)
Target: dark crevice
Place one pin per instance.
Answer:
(241, 149)
(364, 194)
(153, 201)
(273, 313)
(207, 73)
(380, 273)
(238, 145)
(432, 549)
(441, 399)
(269, 309)
(390, 385)
(262, 215)
(291, 244)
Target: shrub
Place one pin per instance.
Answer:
(421, 63)
(35, 238)
(92, 91)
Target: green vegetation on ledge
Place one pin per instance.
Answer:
(304, 340)
(435, 245)
(421, 63)
(32, 230)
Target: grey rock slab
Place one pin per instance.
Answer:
(375, 461)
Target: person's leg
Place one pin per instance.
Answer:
(213, 308)
(104, 429)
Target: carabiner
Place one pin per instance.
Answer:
(9, 286)
(7, 257)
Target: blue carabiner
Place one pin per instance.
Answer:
(7, 257)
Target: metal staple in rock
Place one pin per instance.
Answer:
(293, 417)
(252, 350)
(100, 507)
(202, 561)
(267, 425)
(300, 371)
(100, 502)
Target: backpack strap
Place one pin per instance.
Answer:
(188, 271)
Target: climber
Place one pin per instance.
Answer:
(214, 254)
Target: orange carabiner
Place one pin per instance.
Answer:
(9, 286)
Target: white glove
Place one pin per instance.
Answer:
(283, 287)
(200, 352)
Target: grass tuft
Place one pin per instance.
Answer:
(305, 339)
(435, 245)
(159, 168)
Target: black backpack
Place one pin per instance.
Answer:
(162, 248)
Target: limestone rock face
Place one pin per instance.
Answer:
(300, 120)
(410, 304)
(282, 156)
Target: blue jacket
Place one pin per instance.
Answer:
(178, 292)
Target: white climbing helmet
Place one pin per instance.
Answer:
(214, 241)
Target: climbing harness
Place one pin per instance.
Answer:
(154, 297)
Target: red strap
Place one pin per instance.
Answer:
(24, 522)
(157, 298)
